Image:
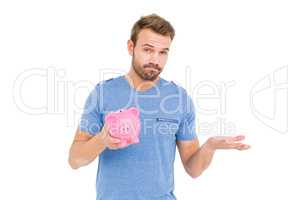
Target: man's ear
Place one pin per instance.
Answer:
(130, 47)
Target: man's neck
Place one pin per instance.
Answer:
(138, 83)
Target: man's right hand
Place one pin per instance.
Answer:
(85, 147)
(107, 140)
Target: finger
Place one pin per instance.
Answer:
(231, 139)
(238, 138)
(246, 146)
(104, 132)
(106, 127)
(113, 145)
(242, 147)
(113, 140)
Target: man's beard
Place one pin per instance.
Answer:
(144, 73)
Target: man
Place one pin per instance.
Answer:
(144, 171)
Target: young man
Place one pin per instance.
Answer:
(144, 171)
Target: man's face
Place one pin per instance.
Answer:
(150, 53)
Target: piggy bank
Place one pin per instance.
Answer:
(124, 125)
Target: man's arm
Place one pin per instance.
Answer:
(85, 147)
(196, 159)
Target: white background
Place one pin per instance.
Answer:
(245, 43)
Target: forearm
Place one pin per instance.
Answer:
(199, 161)
(83, 153)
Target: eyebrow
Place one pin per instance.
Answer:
(149, 45)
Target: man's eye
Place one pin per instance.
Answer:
(163, 52)
(147, 50)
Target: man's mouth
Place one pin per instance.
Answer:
(152, 68)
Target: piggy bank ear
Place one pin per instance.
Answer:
(134, 111)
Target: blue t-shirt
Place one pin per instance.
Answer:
(143, 171)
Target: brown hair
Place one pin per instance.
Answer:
(153, 22)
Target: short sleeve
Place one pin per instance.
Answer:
(91, 120)
(187, 127)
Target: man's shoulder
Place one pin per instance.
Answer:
(174, 86)
(109, 82)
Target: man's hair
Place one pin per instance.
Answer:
(153, 22)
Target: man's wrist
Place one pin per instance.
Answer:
(208, 146)
(102, 137)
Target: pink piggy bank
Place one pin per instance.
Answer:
(124, 125)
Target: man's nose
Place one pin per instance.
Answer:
(154, 58)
